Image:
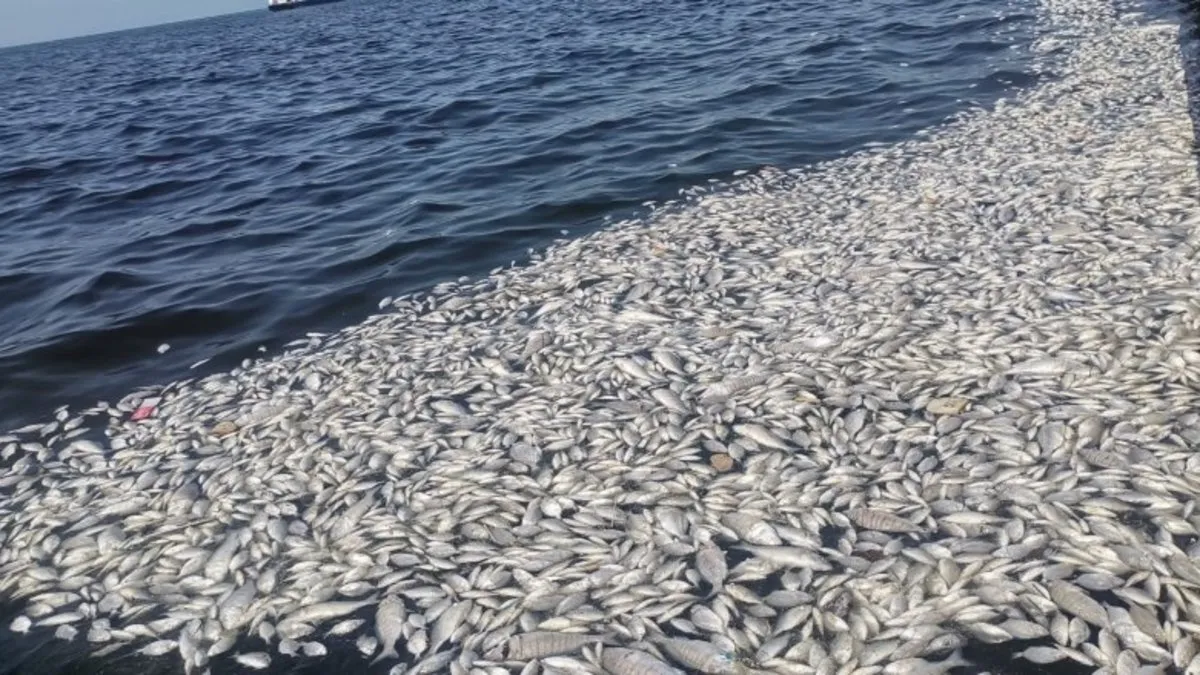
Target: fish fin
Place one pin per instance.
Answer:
(387, 653)
(955, 660)
(655, 635)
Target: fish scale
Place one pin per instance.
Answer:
(876, 519)
(1075, 601)
(620, 661)
(538, 644)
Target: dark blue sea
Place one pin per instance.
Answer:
(225, 185)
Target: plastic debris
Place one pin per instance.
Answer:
(142, 413)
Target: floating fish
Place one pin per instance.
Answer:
(620, 661)
(929, 392)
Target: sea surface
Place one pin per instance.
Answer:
(223, 186)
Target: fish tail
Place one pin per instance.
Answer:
(955, 660)
(387, 653)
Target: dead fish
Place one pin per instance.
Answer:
(450, 408)
(389, 624)
(700, 655)
(61, 619)
(1042, 655)
(751, 529)
(667, 361)
(434, 663)
(232, 610)
(706, 619)
(784, 599)
(267, 579)
(632, 368)
(313, 649)
(621, 661)
(710, 563)
(1072, 600)
(217, 565)
(919, 666)
(345, 627)
(323, 611)
(874, 519)
(1024, 630)
(669, 400)
(187, 643)
(1099, 581)
(1045, 367)
(947, 406)
(255, 660)
(159, 648)
(353, 515)
(833, 338)
(1105, 459)
(538, 644)
(1122, 625)
(366, 644)
(789, 556)
(762, 436)
(448, 622)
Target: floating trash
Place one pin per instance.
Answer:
(721, 462)
(142, 412)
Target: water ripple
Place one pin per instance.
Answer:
(237, 181)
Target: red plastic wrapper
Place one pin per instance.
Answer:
(142, 413)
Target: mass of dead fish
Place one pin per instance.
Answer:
(954, 385)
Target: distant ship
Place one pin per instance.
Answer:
(277, 5)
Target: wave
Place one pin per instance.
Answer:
(390, 146)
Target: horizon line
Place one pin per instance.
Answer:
(17, 45)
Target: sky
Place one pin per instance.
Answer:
(25, 21)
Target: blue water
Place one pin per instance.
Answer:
(231, 183)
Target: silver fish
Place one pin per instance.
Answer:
(789, 556)
(918, 666)
(538, 644)
(448, 622)
(621, 661)
(1074, 601)
(700, 655)
(323, 611)
(710, 563)
(255, 660)
(874, 519)
(217, 565)
(389, 623)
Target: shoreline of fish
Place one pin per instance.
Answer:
(851, 419)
